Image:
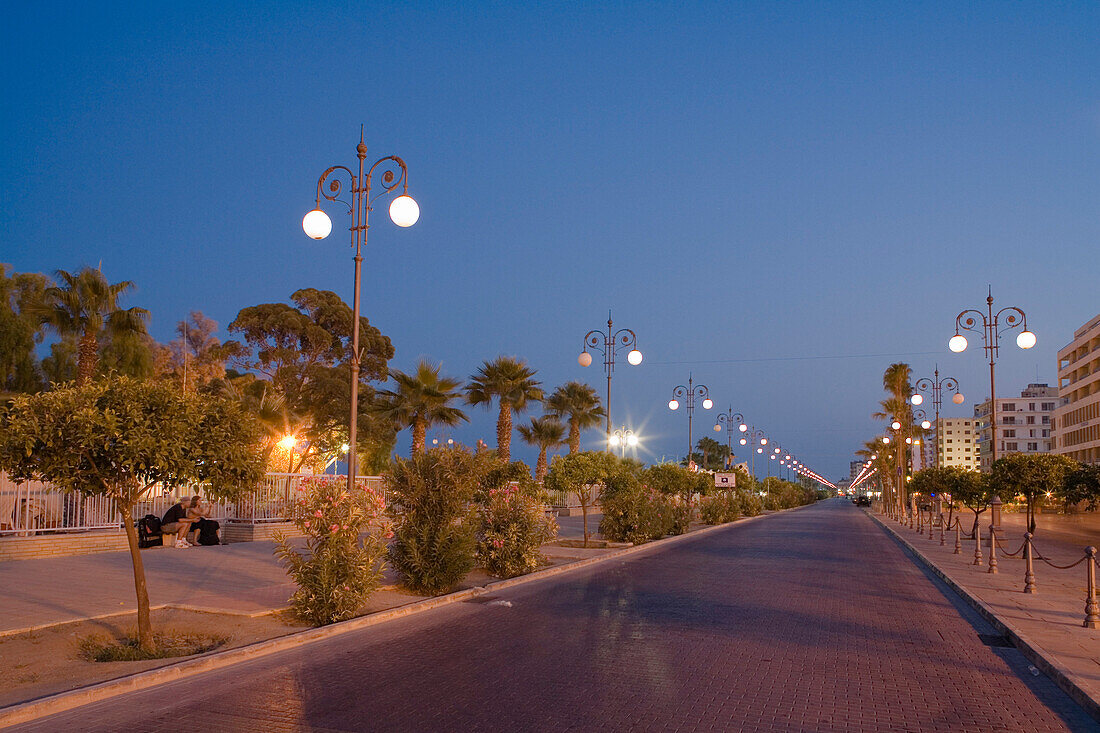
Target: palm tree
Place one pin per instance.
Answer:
(512, 383)
(544, 433)
(84, 307)
(422, 399)
(579, 406)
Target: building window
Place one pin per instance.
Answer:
(1012, 446)
(1033, 446)
(1046, 420)
(1048, 406)
(1010, 433)
(1009, 407)
(1030, 419)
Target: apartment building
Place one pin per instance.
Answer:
(854, 469)
(956, 441)
(1076, 420)
(1023, 423)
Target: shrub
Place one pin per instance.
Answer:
(435, 523)
(720, 507)
(345, 547)
(513, 528)
(750, 503)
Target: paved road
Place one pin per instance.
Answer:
(808, 621)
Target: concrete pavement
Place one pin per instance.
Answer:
(813, 620)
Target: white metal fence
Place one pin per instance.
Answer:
(33, 507)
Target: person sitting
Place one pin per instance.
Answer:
(198, 513)
(176, 520)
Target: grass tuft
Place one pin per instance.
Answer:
(100, 648)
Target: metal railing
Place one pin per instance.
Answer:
(34, 507)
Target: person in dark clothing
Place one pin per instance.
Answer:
(178, 520)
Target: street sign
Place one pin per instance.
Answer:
(725, 480)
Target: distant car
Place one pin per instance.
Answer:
(863, 501)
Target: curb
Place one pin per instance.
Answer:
(62, 701)
(1031, 651)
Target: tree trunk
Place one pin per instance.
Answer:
(574, 436)
(420, 436)
(145, 627)
(87, 358)
(584, 510)
(504, 432)
(540, 465)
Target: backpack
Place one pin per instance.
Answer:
(148, 531)
(208, 532)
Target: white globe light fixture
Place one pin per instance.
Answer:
(763, 441)
(925, 424)
(743, 441)
(404, 211)
(917, 399)
(743, 428)
(288, 442)
(708, 403)
(759, 450)
(957, 343)
(585, 359)
(316, 224)
(717, 428)
(895, 425)
(1025, 340)
(614, 441)
(673, 405)
(908, 441)
(958, 399)
(885, 439)
(632, 440)
(634, 357)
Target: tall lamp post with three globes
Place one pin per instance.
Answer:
(404, 212)
(729, 418)
(936, 385)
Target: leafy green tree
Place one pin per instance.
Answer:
(581, 474)
(420, 401)
(578, 406)
(1081, 485)
(118, 438)
(933, 482)
(513, 385)
(712, 454)
(304, 352)
(1034, 476)
(197, 357)
(543, 433)
(20, 293)
(670, 479)
(971, 489)
(85, 307)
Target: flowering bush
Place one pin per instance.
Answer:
(345, 543)
(513, 528)
(720, 507)
(431, 502)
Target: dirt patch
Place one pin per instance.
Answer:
(48, 661)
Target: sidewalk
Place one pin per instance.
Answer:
(1046, 625)
(243, 578)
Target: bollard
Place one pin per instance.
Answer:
(977, 546)
(1092, 611)
(958, 538)
(912, 519)
(932, 524)
(1029, 571)
(920, 518)
(992, 551)
(941, 530)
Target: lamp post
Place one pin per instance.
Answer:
(688, 395)
(404, 212)
(935, 385)
(751, 435)
(729, 418)
(608, 342)
(622, 438)
(991, 330)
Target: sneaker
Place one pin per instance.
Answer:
(182, 543)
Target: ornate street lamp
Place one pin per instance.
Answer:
(623, 438)
(688, 394)
(936, 385)
(991, 330)
(404, 212)
(751, 435)
(608, 342)
(730, 419)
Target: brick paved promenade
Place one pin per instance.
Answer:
(812, 620)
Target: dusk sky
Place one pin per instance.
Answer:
(779, 198)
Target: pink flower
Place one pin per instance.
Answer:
(318, 513)
(306, 525)
(389, 534)
(345, 526)
(334, 527)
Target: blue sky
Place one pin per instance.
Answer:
(751, 187)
